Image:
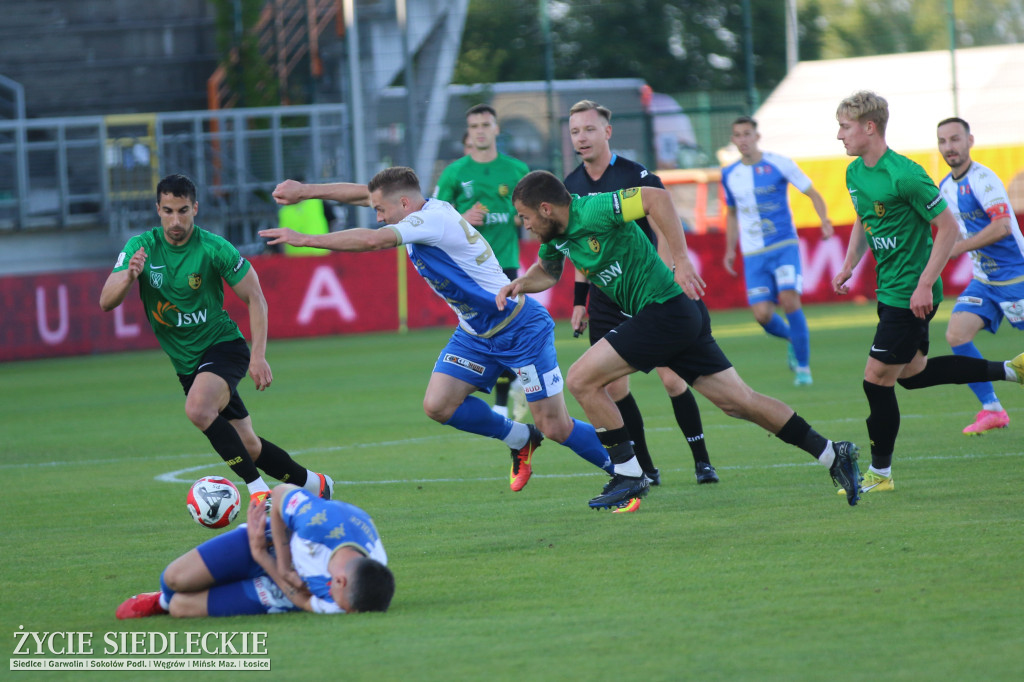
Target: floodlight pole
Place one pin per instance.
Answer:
(748, 52)
(554, 130)
(951, 16)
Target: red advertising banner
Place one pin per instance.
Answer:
(58, 314)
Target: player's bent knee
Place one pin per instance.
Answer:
(438, 411)
(188, 605)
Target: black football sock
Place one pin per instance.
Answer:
(955, 369)
(279, 464)
(883, 423)
(634, 424)
(501, 387)
(798, 432)
(687, 414)
(228, 444)
(618, 445)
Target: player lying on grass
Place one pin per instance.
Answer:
(329, 559)
(669, 325)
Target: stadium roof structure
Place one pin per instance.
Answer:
(798, 119)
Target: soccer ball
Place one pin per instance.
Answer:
(213, 501)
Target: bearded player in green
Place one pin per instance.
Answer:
(179, 267)
(897, 206)
(666, 327)
(479, 186)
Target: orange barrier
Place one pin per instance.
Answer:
(698, 197)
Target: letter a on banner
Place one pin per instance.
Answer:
(325, 292)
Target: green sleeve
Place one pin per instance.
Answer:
(445, 190)
(921, 193)
(231, 265)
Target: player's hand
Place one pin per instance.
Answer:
(136, 264)
(727, 263)
(256, 520)
(476, 215)
(288, 192)
(827, 230)
(260, 372)
(687, 278)
(921, 301)
(510, 290)
(281, 235)
(839, 282)
(579, 319)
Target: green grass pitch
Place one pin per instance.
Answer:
(768, 575)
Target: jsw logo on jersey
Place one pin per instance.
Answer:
(168, 315)
(497, 218)
(606, 276)
(883, 243)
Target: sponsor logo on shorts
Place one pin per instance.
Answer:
(758, 291)
(969, 300)
(474, 367)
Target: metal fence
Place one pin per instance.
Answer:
(60, 173)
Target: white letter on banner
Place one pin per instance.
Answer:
(49, 336)
(325, 293)
(122, 329)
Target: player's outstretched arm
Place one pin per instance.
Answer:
(251, 293)
(292, 192)
(541, 276)
(119, 283)
(357, 240)
(657, 204)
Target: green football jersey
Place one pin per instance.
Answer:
(896, 202)
(604, 243)
(465, 182)
(182, 292)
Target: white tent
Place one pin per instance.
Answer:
(798, 119)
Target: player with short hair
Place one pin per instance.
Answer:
(479, 186)
(458, 264)
(601, 171)
(326, 557)
(668, 326)
(761, 222)
(990, 233)
(181, 269)
(897, 207)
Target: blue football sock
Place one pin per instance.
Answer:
(584, 442)
(777, 327)
(800, 337)
(476, 416)
(983, 390)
